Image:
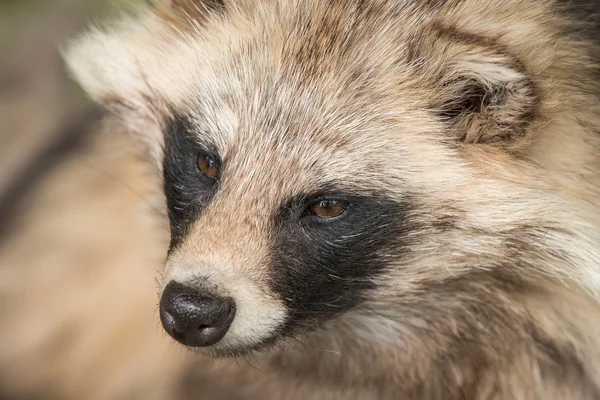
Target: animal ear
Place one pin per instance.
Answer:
(114, 63)
(483, 92)
(111, 64)
(138, 66)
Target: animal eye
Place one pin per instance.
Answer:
(328, 208)
(208, 165)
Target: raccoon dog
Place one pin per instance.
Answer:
(375, 199)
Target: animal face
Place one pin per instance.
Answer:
(295, 228)
(327, 158)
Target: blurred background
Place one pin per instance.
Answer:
(36, 97)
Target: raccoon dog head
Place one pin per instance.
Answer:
(322, 158)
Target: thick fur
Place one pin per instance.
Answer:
(468, 130)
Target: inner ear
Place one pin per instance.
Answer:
(480, 111)
(473, 99)
(485, 94)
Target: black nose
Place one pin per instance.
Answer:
(193, 318)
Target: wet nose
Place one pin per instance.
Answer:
(194, 318)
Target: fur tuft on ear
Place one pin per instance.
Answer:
(484, 93)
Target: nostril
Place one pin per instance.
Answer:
(195, 318)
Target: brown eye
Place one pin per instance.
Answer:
(328, 208)
(208, 166)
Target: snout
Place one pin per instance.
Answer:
(194, 318)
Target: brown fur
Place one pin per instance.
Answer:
(481, 116)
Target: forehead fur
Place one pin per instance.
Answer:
(315, 50)
(318, 69)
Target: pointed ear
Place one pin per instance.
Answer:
(121, 61)
(484, 93)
